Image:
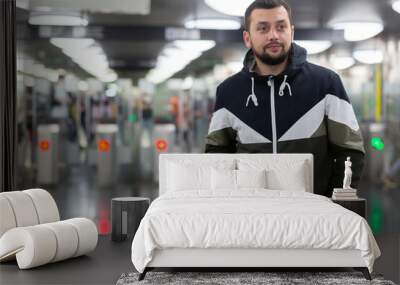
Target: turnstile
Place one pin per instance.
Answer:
(48, 154)
(164, 137)
(374, 158)
(107, 155)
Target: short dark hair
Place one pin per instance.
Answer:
(265, 4)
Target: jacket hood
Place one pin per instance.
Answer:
(297, 57)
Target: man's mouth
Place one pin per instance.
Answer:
(273, 47)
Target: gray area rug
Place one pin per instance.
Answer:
(229, 278)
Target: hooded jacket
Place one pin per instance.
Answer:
(305, 109)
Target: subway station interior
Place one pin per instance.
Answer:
(104, 87)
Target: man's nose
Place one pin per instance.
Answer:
(273, 34)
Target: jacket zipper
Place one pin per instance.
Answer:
(273, 117)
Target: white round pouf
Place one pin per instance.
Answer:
(45, 205)
(23, 208)
(33, 246)
(67, 240)
(87, 234)
(6, 215)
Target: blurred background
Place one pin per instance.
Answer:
(105, 86)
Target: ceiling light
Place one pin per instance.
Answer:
(234, 8)
(111, 93)
(368, 56)
(171, 51)
(177, 54)
(195, 45)
(175, 57)
(187, 83)
(23, 4)
(109, 76)
(342, 62)
(213, 24)
(396, 6)
(83, 86)
(88, 55)
(112, 90)
(57, 18)
(314, 47)
(72, 43)
(358, 31)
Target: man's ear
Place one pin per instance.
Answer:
(292, 33)
(246, 39)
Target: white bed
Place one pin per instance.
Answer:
(215, 225)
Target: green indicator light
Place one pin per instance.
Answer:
(376, 215)
(132, 118)
(376, 221)
(377, 143)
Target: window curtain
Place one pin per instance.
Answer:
(8, 141)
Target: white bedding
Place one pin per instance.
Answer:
(252, 218)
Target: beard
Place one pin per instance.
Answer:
(271, 60)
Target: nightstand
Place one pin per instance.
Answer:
(358, 206)
(126, 214)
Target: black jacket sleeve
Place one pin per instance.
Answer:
(221, 136)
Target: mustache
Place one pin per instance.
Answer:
(273, 44)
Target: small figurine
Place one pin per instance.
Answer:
(347, 174)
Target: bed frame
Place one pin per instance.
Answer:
(246, 259)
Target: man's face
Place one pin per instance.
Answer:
(270, 35)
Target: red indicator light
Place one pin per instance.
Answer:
(104, 146)
(161, 145)
(44, 145)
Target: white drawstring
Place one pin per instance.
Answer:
(252, 96)
(283, 85)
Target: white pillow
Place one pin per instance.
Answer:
(223, 179)
(292, 179)
(282, 174)
(226, 179)
(251, 178)
(188, 175)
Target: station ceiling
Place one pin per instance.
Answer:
(132, 42)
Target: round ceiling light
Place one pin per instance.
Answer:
(368, 56)
(314, 47)
(396, 6)
(358, 31)
(342, 62)
(194, 45)
(229, 7)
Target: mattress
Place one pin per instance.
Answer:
(251, 219)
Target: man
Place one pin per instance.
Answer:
(280, 103)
